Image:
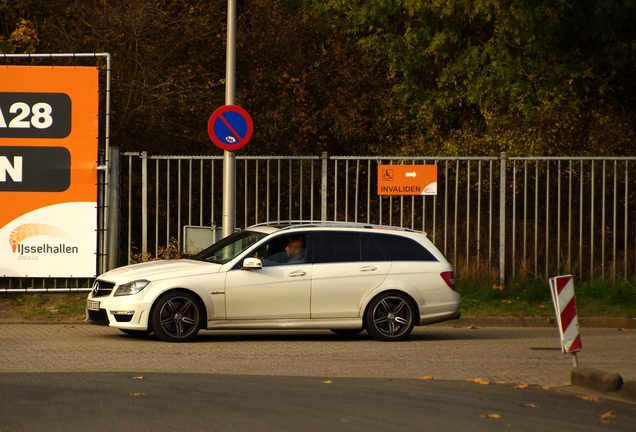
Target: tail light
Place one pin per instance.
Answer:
(449, 278)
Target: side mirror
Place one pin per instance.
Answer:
(252, 264)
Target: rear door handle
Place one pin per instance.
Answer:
(297, 273)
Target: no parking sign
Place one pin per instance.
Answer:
(230, 127)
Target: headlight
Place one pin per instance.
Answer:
(131, 288)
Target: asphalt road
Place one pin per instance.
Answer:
(75, 376)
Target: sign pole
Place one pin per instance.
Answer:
(229, 160)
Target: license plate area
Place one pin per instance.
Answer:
(92, 305)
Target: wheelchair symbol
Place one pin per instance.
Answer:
(387, 175)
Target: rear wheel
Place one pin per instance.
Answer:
(177, 317)
(390, 317)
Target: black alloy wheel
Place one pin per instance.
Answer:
(177, 317)
(390, 317)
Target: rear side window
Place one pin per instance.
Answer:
(403, 248)
(340, 246)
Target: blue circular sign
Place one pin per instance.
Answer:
(230, 127)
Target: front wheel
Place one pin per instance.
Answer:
(390, 317)
(177, 317)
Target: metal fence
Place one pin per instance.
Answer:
(495, 217)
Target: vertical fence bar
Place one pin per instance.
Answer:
(592, 223)
(156, 207)
(569, 260)
(603, 225)
(467, 213)
(144, 203)
(626, 220)
(614, 216)
(525, 215)
(514, 217)
(536, 217)
(490, 217)
(168, 200)
(479, 170)
(558, 225)
(581, 219)
(547, 218)
(502, 219)
(323, 186)
(267, 197)
(455, 205)
(335, 190)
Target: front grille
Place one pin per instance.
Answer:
(102, 288)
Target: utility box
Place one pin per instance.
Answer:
(197, 238)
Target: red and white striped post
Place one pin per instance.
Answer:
(562, 289)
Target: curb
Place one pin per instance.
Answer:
(603, 382)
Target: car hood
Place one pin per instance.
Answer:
(158, 270)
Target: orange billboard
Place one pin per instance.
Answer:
(48, 171)
(407, 179)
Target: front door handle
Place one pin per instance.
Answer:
(296, 273)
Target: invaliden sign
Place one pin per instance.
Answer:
(407, 179)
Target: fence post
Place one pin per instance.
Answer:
(502, 219)
(144, 203)
(323, 188)
(113, 210)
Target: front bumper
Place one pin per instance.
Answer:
(119, 312)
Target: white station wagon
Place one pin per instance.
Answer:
(344, 277)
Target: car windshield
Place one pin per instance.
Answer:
(228, 248)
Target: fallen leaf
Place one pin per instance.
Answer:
(138, 377)
(589, 398)
(492, 416)
(608, 415)
(540, 306)
(472, 327)
(479, 381)
(426, 377)
(529, 405)
(521, 386)
(623, 329)
(546, 388)
(69, 326)
(506, 301)
(326, 382)
(137, 394)
(498, 287)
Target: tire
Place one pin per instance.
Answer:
(349, 333)
(177, 317)
(136, 333)
(390, 317)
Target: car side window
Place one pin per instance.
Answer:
(331, 246)
(371, 250)
(403, 248)
(340, 246)
(284, 250)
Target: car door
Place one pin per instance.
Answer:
(281, 289)
(347, 266)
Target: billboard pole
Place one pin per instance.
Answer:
(229, 159)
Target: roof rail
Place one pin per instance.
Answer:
(294, 224)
